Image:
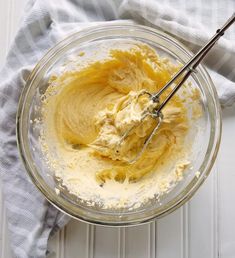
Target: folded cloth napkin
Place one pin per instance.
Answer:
(31, 219)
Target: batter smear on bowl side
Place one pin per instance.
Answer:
(87, 110)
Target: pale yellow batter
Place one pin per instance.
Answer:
(87, 110)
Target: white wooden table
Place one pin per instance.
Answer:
(203, 228)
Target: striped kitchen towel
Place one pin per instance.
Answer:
(31, 219)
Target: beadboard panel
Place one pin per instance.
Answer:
(226, 191)
(203, 220)
(108, 241)
(5, 250)
(169, 235)
(136, 241)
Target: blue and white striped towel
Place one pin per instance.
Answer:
(31, 219)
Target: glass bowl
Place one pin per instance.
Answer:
(204, 149)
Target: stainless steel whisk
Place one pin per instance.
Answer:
(155, 97)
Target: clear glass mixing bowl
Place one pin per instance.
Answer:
(205, 146)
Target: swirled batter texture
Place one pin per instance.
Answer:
(87, 111)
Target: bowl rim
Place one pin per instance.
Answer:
(21, 145)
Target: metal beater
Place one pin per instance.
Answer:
(187, 69)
